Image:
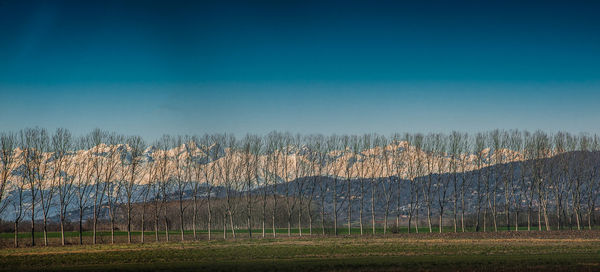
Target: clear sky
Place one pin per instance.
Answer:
(152, 67)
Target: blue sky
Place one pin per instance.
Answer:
(151, 67)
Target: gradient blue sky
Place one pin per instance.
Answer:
(151, 67)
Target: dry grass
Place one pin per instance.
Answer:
(548, 251)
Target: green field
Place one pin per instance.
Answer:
(541, 251)
(282, 231)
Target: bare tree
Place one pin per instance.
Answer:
(579, 176)
(464, 161)
(83, 172)
(541, 150)
(487, 176)
(456, 155)
(514, 143)
(592, 178)
(287, 145)
(46, 185)
(131, 163)
(349, 158)
(214, 146)
(18, 187)
(333, 143)
(181, 177)
(163, 182)
(61, 147)
(493, 176)
(316, 161)
(498, 143)
(301, 170)
(399, 165)
(359, 146)
(106, 159)
(269, 181)
(157, 164)
(7, 164)
(375, 168)
(478, 151)
(442, 181)
(264, 164)
(113, 184)
(430, 165)
(387, 185)
(274, 147)
(559, 181)
(320, 160)
(229, 176)
(250, 158)
(517, 181)
(34, 144)
(146, 189)
(527, 184)
(199, 159)
(415, 160)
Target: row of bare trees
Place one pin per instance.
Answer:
(487, 181)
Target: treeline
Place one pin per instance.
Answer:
(262, 183)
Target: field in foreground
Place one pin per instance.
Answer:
(553, 251)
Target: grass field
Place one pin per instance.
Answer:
(507, 251)
(318, 230)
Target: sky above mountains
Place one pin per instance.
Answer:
(154, 67)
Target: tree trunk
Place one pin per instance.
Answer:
(231, 222)
(81, 226)
(429, 217)
(558, 210)
(335, 230)
(485, 213)
(112, 231)
(194, 217)
(462, 210)
(94, 225)
(273, 222)
(16, 233)
(264, 217)
(33, 224)
(455, 212)
(529, 216)
(156, 215)
(129, 221)
(224, 227)
(300, 219)
(45, 231)
(360, 213)
(385, 220)
(506, 210)
(62, 230)
(349, 209)
(322, 216)
(310, 223)
(143, 212)
(417, 217)
(181, 220)
(289, 223)
(539, 213)
(166, 225)
(249, 224)
(209, 217)
(441, 218)
(517, 219)
(373, 209)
